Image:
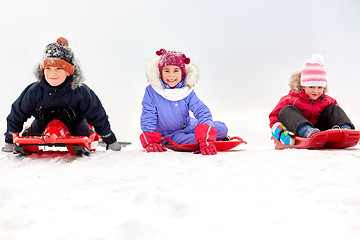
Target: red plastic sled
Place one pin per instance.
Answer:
(56, 134)
(221, 146)
(329, 139)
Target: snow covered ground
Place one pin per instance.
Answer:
(245, 54)
(253, 193)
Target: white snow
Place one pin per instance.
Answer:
(255, 192)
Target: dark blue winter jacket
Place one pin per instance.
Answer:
(39, 97)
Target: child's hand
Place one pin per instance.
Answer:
(8, 147)
(155, 147)
(207, 149)
(281, 133)
(151, 141)
(115, 146)
(206, 135)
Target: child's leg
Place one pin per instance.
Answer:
(80, 129)
(187, 134)
(333, 115)
(182, 138)
(36, 129)
(221, 129)
(292, 118)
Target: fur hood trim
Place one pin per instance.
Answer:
(294, 83)
(153, 74)
(77, 81)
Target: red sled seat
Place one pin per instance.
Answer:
(56, 134)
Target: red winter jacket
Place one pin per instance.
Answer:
(310, 108)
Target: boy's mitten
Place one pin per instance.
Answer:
(115, 146)
(151, 141)
(281, 133)
(8, 147)
(206, 135)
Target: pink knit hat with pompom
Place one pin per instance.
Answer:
(172, 58)
(313, 72)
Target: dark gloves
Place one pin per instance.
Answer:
(111, 142)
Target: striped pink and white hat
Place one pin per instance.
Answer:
(313, 72)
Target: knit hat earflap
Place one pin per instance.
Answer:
(172, 58)
(313, 72)
(58, 55)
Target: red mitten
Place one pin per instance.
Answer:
(206, 135)
(155, 147)
(151, 141)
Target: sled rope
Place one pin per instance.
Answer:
(43, 137)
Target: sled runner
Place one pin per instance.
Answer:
(221, 146)
(329, 139)
(56, 134)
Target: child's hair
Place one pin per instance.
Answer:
(295, 84)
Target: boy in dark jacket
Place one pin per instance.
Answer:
(60, 94)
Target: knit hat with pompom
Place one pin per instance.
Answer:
(58, 55)
(173, 58)
(313, 72)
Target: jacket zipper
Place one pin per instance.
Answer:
(312, 102)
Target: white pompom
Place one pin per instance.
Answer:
(317, 58)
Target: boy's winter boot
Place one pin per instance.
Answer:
(281, 133)
(227, 138)
(346, 126)
(286, 138)
(307, 131)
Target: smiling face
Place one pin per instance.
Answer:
(314, 92)
(171, 75)
(55, 76)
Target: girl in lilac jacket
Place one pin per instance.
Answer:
(167, 102)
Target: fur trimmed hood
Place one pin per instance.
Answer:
(153, 74)
(77, 77)
(294, 83)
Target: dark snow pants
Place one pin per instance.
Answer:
(294, 119)
(37, 127)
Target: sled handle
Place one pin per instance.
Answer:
(169, 140)
(238, 138)
(175, 144)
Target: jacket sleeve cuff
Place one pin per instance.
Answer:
(109, 138)
(8, 139)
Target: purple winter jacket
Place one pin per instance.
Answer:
(167, 110)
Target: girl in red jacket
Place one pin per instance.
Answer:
(307, 110)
